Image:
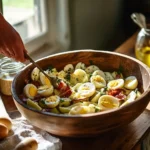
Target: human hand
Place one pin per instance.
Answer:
(11, 44)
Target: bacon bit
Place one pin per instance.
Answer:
(118, 93)
(67, 93)
(64, 89)
(121, 96)
(114, 92)
(61, 86)
(118, 76)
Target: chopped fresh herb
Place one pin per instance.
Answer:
(58, 80)
(90, 75)
(68, 76)
(120, 70)
(43, 101)
(136, 90)
(69, 70)
(105, 89)
(91, 62)
(62, 100)
(50, 68)
(97, 109)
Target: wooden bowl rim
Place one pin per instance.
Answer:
(117, 110)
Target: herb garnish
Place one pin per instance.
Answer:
(120, 70)
(68, 76)
(50, 68)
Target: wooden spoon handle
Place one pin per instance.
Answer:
(35, 64)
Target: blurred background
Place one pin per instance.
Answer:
(59, 25)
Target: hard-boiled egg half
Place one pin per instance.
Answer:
(44, 80)
(35, 74)
(30, 91)
(107, 102)
(131, 83)
(95, 97)
(79, 76)
(130, 98)
(98, 81)
(99, 72)
(80, 65)
(45, 90)
(69, 68)
(82, 110)
(86, 89)
(108, 76)
(52, 101)
(115, 84)
(91, 69)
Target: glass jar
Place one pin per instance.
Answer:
(8, 69)
(142, 46)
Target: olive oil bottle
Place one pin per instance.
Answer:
(142, 46)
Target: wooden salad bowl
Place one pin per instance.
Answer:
(88, 124)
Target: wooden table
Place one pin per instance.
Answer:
(125, 138)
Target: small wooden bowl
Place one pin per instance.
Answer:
(88, 124)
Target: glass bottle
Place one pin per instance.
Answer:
(8, 69)
(142, 46)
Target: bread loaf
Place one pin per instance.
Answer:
(3, 131)
(28, 143)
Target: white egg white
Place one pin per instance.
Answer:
(77, 110)
(130, 98)
(99, 72)
(69, 68)
(80, 65)
(98, 81)
(35, 74)
(91, 69)
(86, 89)
(45, 90)
(79, 76)
(131, 83)
(115, 84)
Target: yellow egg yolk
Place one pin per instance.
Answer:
(51, 99)
(107, 103)
(32, 91)
(85, 88)
(80, 110)
(47, 81)
(128, 81)
(98, 79)
(114, 83)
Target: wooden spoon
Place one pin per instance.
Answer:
(64, 88)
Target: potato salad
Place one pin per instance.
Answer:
(85, 89)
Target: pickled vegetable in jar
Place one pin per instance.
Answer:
(142, 46)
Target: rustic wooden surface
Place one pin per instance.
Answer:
(126, 138)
